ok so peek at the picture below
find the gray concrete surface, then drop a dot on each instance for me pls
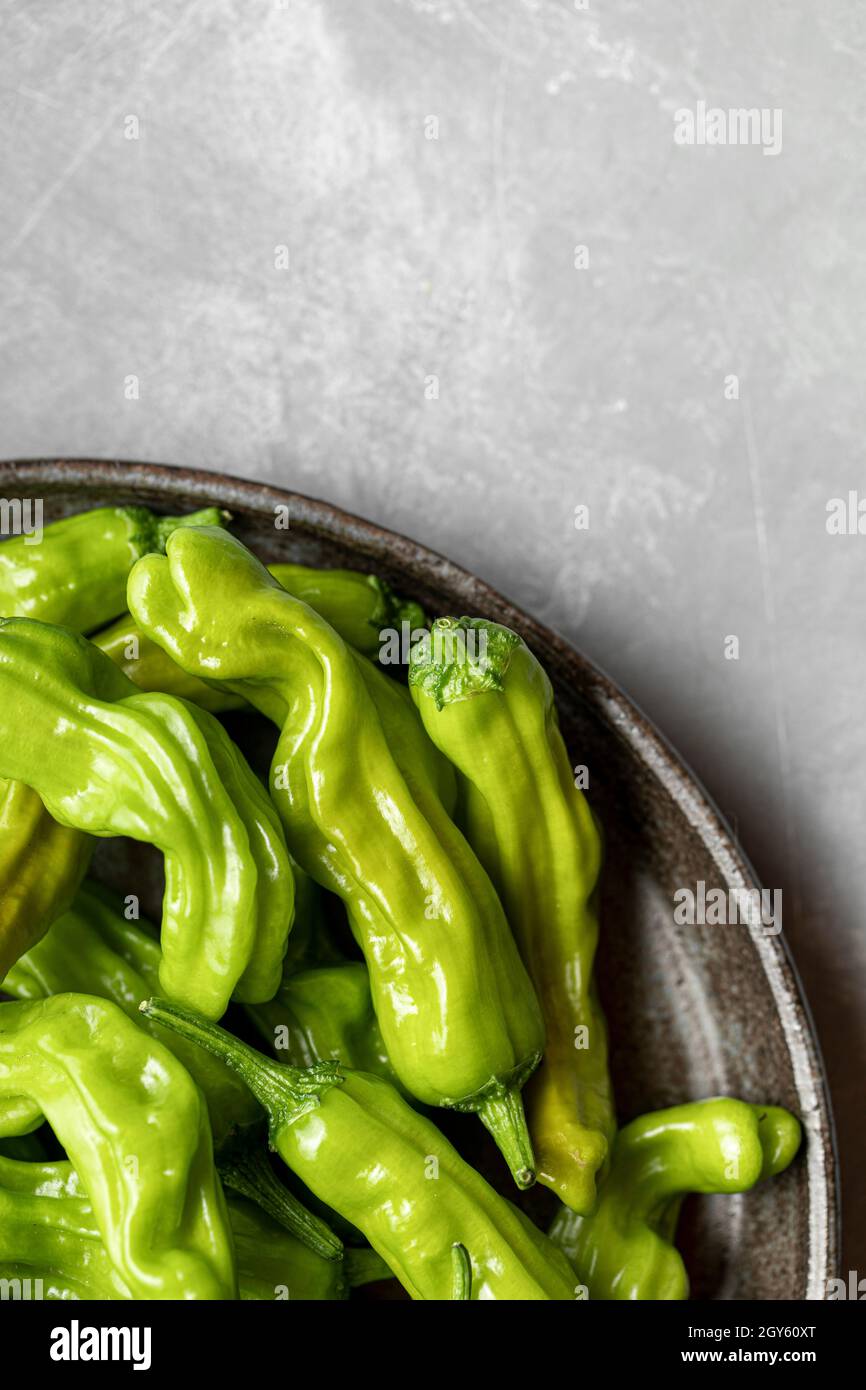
(306, 125)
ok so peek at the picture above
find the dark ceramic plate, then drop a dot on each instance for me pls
(694, 1011)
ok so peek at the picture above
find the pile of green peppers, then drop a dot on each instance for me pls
(399, 919)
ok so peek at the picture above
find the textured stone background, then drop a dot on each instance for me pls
(303, 124)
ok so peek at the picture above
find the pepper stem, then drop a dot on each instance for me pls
(251, 1175)
(461, 1274)
(286, 1092)
(503, 1115)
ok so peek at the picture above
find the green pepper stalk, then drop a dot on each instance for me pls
(361, 1149)
(625, 1249)
(461, 1288)
(93, 949)
(41, 865)
(76, 575)
(458, 1015)
(135, 1127)
(325, 1014)
(109, 759)
(488, 706)
(272, 1264)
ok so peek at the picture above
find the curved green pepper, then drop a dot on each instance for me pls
(135, 1127)
(457, 1012)
(41, 865)
(112, 760)
(93, 949)
(357, 605)
(488, 705)
(49, 1233)
(76, 574)
(361, 1149)
(625, 1249)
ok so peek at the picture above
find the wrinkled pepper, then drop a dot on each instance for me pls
(625, 1249)
(456, 1009)
(75, 575)
(112, 760)
(49, 1233)
(93, 949)
(360, 1148)
(134, 1125)
(358, 606)
(488, 705)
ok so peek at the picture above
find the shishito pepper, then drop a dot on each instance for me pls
(112, 760)
(358, 606)
(358, 1146)
(488, 705)
(325, 1014)
(457, 1012)
(93, 949)
(134, 1125)
(41, 866)
(76, 574)
(49, 1233)
(625, 1249)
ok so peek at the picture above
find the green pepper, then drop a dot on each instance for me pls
(41, 866)
(112, 760)
(625, 1249)
(93, 949)
(325, 1014)
(76, 574)
(135, 1127)
(488, 705)
(357, 605)
(272, 1264)
(456, 1009)
(49, 1233)
(358, 1146)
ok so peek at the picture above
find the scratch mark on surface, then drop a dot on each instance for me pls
(57, 185)
(783, 746)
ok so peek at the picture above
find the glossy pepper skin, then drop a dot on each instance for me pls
(625, 1249)
(49, 1232)
(325, 1014)
(358, 606)
(456, 1009)
(41, 865)
(488, 705)
(93, 949)
(109, 759)
(76, 574)
(361, 1149)
(134, 1125)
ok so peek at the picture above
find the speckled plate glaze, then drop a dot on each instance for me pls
(693, 1011)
